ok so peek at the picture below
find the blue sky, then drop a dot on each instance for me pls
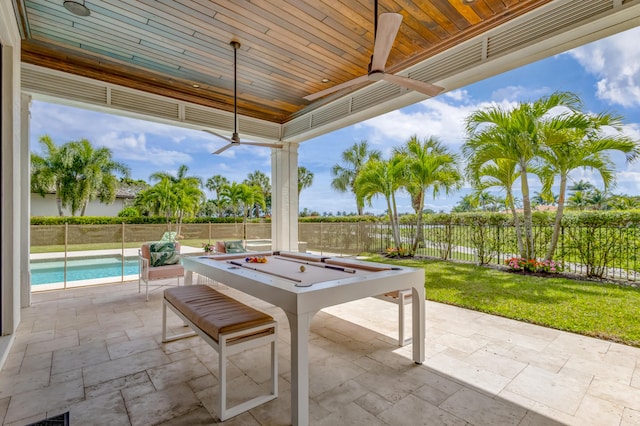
(605, 74)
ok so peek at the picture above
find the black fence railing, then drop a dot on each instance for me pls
(596, 251)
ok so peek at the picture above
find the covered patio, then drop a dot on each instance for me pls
(96, 353)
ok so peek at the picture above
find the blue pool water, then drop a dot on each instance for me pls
(52, 270)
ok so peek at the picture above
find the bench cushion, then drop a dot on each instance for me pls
(214, 312)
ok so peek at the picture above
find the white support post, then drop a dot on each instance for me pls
(284, 198)
(25, 201)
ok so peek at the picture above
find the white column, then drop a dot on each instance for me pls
(10, 223)
(284, 198)
(25, 201)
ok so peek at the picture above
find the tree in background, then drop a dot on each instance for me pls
(262, 181)
(346, 174)
(305, 179)
(583, 145)
(186, 194)
(515, 135)
(380, 177)
(94, 170)
(77, 172)
(48, 170)
(428, 165)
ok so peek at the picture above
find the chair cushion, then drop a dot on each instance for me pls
(234, 247)
(167, 271)
(220, 248)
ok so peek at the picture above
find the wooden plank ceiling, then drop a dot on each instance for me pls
(180, 48)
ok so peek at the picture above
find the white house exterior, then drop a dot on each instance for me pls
(47, 206)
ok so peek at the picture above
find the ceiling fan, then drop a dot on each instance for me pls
(384, 38)
(235, 139)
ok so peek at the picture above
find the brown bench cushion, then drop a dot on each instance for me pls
(212, 311)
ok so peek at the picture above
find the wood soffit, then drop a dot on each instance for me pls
(168, 47)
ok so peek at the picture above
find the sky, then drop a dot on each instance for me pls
(604, 74)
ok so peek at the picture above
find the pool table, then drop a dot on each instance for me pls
(302, 284)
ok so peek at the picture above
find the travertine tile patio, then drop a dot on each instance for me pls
(96, 352)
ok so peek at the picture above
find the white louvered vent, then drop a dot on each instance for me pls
(213, 119)
(296, 126)
(259, 128)
(63, 87)
(140, 103)
(331, 113)
(562, 17)
(369, 99)
(448, 65)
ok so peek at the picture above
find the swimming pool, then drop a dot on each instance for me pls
(48, 271)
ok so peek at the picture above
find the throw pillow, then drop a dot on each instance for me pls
(163, 253)
(162, 258)
(234, 247)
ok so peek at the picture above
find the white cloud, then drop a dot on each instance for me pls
(435, 117)
(134, 147)
(615, 61)
(518, 93)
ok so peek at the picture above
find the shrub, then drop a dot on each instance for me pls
(533, 265)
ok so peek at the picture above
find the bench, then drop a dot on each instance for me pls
(230, 327)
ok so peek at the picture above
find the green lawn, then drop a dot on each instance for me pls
(607, 311)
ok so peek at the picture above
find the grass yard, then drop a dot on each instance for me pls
(606, 311)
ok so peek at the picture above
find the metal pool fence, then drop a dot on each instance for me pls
(605, 252)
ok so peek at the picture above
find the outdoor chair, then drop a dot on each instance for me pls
(159, 260)
(232, 246)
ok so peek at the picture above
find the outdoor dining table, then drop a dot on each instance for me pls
(303, 284)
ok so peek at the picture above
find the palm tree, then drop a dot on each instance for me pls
(232, 195)
(77, 172)
(160, 199)
(187, 191)
(468, 203)
(345, 175)
(262, 181)
(250, 196)
(514, 135)
(583, 146)
(428, 165)
(305, 179)
(215, 184)
(94, 170)
(501, 173)
(379, 177)
(47, 171)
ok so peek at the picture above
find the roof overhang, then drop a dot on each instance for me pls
(548, 30)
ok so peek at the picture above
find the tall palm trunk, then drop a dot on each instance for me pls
(393, 221)
(59, 204)
(419, 234)
(529, 250)
(516, 221)
(558, 221)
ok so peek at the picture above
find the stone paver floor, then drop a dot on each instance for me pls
(96, 352)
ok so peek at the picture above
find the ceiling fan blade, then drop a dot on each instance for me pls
(220, 136)
(388, 26)
(224, 148)
(265, 144)
(357, 80)
(417, 85)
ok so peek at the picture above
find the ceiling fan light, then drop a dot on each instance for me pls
(78, 9)
(325, 80)
(468, 1)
